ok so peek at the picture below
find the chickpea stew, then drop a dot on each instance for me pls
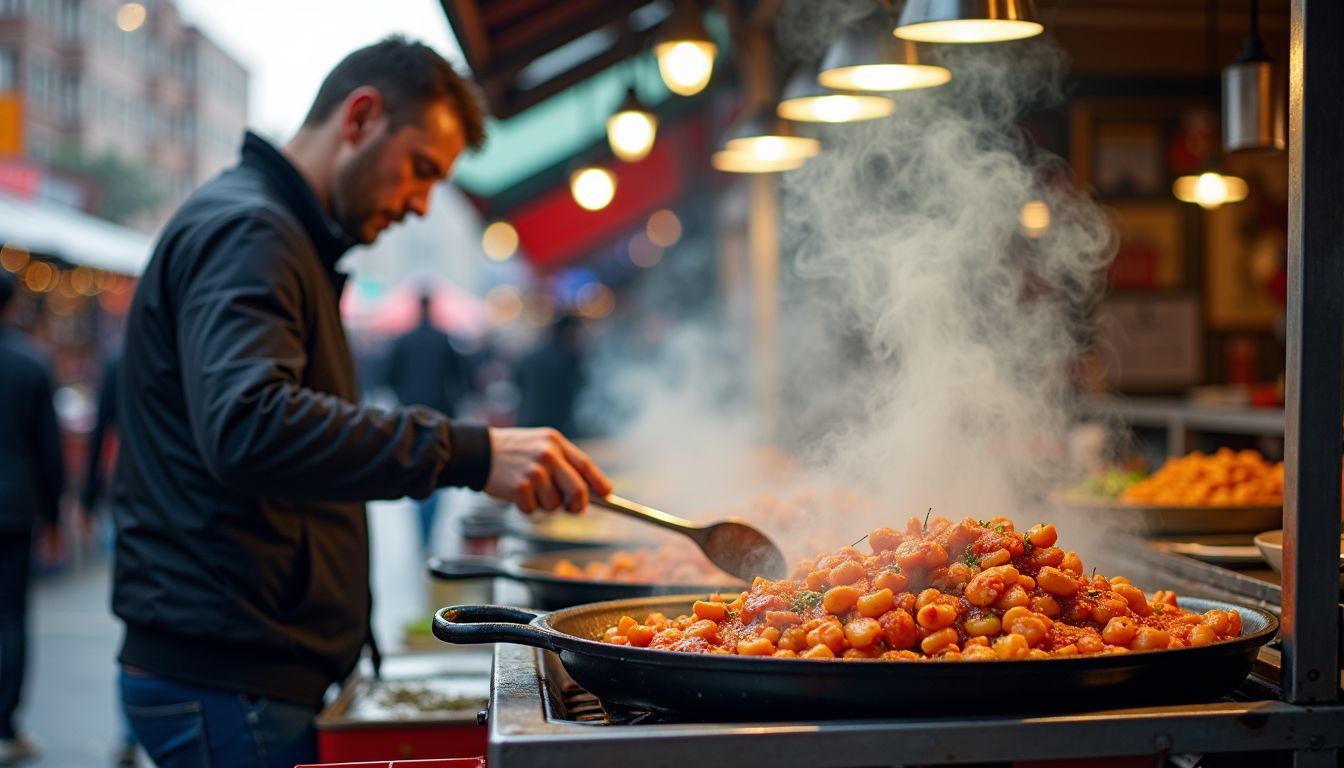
(971, 590)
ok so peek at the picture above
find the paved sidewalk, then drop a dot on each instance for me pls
(70, 701)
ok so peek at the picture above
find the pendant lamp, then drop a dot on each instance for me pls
(867, 58)
(1252, 97)
(632, 129)
(968, 21)
(805, 100)
(685, 50)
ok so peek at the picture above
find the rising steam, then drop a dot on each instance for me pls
(926, 340)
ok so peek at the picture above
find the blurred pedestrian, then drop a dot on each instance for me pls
(102, 442)
(549, 379)
(101, 446)
(424, 368)
(31, 478)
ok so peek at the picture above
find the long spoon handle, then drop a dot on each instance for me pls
(649, 514)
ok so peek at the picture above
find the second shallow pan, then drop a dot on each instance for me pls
(551, 592)
(730, 687)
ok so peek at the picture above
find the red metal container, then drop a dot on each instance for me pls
(424, 706)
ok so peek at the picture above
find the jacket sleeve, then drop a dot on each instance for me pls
(49, 463)
(242, 322)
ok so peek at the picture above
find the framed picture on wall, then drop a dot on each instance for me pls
(1134, 148)
(1245, 261)
(1152, 244)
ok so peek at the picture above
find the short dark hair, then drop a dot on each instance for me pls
(410, 76)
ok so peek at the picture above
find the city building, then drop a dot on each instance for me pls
(91, 78)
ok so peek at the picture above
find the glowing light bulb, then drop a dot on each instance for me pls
(499, 241)
(686, 65)
(1210, 190)
(969, 31)
(835, 108)
(130, 17)
(593, 188)
(1035, 218)
(631, 133)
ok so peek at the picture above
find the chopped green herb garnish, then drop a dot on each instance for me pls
(1092, 593)
(1158, 608)
(1027, 546)
(806, 599)
(993, 526)
(968, 557)
(894, 568)
(732, 614)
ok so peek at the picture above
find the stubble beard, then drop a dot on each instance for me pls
(352, 205)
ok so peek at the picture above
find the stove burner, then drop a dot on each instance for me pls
(580, 706)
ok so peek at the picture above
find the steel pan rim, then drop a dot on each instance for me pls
(525, 569)
(734, 662)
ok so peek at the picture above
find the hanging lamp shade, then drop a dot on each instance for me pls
(1253, 99)
(1210, 190)
(867, 58)
(757, 145)
(632, 129)
(805, 100)
(685, 51)
(968, 21)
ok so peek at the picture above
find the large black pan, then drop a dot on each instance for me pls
(552, 592)
(721, 686)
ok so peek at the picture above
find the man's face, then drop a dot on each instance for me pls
(385, 174)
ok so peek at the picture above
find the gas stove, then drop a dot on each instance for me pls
(539, 717)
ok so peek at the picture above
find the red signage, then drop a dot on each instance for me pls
(554, 230)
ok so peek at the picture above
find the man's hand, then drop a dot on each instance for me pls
(540, 469)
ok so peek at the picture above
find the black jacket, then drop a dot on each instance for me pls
(424, 368)
(242, 543)
(31, 470)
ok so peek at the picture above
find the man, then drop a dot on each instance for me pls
(31, 478)
(242, 543)
(423, 368)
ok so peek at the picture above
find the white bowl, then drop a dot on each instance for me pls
(1270, 544)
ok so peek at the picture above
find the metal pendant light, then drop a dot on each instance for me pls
(757, 145)
(1252, 98)
(632, 129)
(685, 50)
(805, 100)
(1211, 188)
(968, 21)
(867, 58)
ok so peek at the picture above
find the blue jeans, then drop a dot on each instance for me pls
(427, 508)
(186, 726)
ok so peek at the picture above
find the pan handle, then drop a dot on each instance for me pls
(472, 624)
(467, 567)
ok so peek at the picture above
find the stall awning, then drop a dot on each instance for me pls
(50, 229)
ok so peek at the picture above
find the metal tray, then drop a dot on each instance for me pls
(1168, 519)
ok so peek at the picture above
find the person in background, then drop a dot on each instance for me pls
(32, 476)
(91, 494)
(424, 368)
(242, 544)
(549, 379)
